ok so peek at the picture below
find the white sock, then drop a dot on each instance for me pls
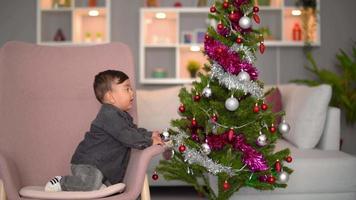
(54, 185)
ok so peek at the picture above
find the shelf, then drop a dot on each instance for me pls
(184, 28)
(79, 22)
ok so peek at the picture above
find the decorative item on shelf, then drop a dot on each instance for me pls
(65, 3)
(297, 32)
(177, 4)
(202, 3)
(200, 35)
(87, 37)
(55, 4)
(309, 19)
(187, 37)
(193, 67)
(99, 37)
(266, 33)
(264, 2)
(59, 36)
(92, 3)
(159, 72)
(152, 3)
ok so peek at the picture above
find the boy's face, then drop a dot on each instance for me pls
(121, 95)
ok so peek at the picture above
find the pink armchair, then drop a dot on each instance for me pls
(46, 106)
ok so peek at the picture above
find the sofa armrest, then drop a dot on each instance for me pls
(330, 139)
(10, 178)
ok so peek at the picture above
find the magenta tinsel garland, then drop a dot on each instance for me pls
(251, 157)
(229, 60)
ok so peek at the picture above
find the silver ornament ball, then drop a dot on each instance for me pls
(231, 104)
(282, 177)
(165, 136)
(243, 76)
(206, 149)
(262, 140)
(284, 127)
(207, 92)
(245, 22)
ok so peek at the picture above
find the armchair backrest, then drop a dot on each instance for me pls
(47, 102)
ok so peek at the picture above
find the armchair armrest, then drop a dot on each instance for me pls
(2, 191)
(330, 139)
(10, 178)
(136, 171)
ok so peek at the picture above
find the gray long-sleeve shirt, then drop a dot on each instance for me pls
(107, 145)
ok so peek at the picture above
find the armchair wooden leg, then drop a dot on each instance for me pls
(2, 191)
(145, 194)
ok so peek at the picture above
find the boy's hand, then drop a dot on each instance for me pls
(156, 140)
(155, 134)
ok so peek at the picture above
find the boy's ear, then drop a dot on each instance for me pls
(108, 98)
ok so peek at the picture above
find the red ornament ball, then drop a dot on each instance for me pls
(256, 109)
(289, 159)
(256, 9)
(272, 129)
(264, 106)
(181, 108)
(197, 97)
(239, 40)
(226, 185)
(194, 122)
(214, 118)
(182, 148)
(155, 176)
(225, 4)
(218, 50)
(233, 16)
(271, 179)
(220, 26)
(206, 36)
(212, 9)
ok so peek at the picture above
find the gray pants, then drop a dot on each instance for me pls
(84, 178)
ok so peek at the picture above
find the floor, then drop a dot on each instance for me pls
(174, 193)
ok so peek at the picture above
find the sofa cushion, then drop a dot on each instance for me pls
(274, 100)
(157, 108)
(306, 109)
(39, 193)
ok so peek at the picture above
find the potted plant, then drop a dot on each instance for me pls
(193, 67)
(343, 85)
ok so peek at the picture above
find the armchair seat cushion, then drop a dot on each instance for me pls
(37, 192)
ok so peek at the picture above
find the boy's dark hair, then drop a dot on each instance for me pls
(103, 81)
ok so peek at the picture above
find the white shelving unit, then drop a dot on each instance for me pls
(162, 48)
(82, 22)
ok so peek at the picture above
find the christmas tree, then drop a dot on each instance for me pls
(226, 129)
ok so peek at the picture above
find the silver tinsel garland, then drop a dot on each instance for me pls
(193, 156)
(248, 55)
(231, 82)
